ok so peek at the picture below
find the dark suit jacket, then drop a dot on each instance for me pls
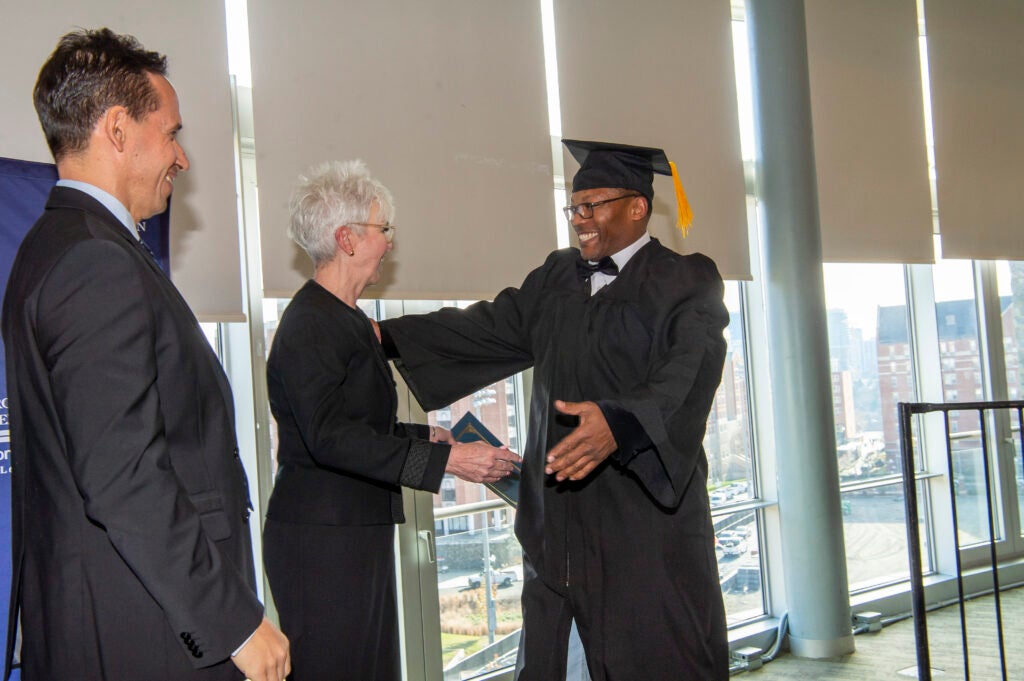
(131, 546)
(342, 457)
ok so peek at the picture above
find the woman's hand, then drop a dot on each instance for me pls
(480, 462)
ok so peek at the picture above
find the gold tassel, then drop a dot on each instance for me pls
(685, 218)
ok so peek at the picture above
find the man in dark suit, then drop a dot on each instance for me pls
(130, 510)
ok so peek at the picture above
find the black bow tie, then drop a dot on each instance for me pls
(605, 265)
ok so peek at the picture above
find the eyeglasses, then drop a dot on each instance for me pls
(387, 229)
(586, 210)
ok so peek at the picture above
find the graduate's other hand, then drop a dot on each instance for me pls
(480, 462)
(265, 656)
(590, 443)
(376, 329)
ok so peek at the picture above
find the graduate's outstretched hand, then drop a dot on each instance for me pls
(580, 452)
(480, 462)
(376, 329)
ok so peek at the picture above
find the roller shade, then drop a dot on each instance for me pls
(976, 60)
(869, 135)
(659, 73)
(204, 218)
(444, 101)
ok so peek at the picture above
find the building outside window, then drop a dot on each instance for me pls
(869, 320)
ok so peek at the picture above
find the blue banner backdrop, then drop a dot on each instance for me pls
(24, 186)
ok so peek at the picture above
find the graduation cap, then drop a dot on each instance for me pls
(604, 164)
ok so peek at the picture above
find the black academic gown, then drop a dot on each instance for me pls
(629, 551)
(328, 542)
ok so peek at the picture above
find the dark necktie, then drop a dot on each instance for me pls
(585, 269)
(147, 249)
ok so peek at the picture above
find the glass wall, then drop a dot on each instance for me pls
(479, 611)
(870, 345)
(1010, 278)
(479, 560)
(956, 318)
(479, 563)
(874, 366)
(874, 529)
(728, 438)
(732, 480)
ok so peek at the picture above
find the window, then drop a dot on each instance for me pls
(866, 323)
(874, 526)
(731, 478)
(443, 418)
(479, 563)
(955, 303)
(448, 491)
(868, 320)
(1010, 280)
(212, 332)
(740, 571)
(869, 338)
(728, 441)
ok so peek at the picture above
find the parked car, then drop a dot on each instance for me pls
(735, 547)
(729, 535)
(499, 577)
(733, 542)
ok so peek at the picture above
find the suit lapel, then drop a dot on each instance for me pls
(380, 361)
(67, 197)
(370, 345)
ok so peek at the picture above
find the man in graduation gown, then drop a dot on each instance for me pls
(625, 338)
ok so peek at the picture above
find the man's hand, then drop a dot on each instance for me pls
(480, 462)
(265, 656)
(580, 452)
(376, 329)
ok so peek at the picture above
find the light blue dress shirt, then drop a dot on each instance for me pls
(109, 202)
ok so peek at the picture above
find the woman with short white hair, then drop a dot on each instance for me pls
(328, 542)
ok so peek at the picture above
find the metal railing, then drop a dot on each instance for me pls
(910, 479)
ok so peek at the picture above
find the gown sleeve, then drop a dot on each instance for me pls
(673, 404)
(321, 396)
(448, 354)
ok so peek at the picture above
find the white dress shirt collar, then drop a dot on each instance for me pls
(599, 279)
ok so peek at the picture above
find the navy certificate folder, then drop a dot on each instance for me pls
(469, 429)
